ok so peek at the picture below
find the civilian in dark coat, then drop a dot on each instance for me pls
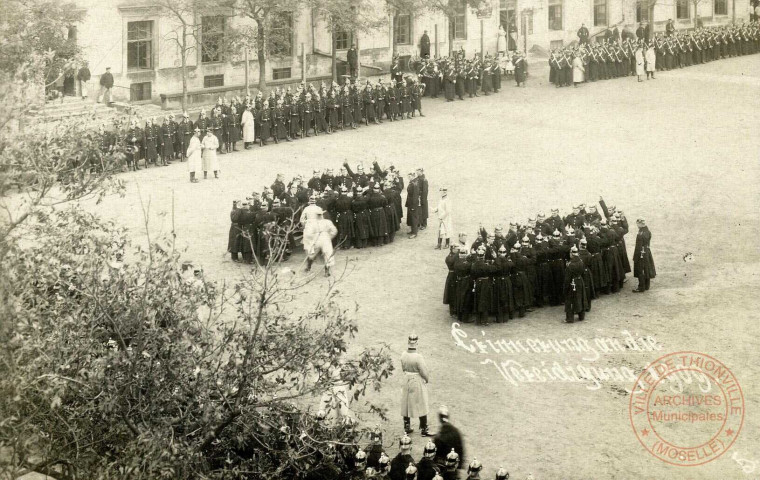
(643, 262)
(425, 45)
(413, 206)
(83, 76)
(106, 84)
(352, 57)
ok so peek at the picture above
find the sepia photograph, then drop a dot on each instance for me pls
(379, 239)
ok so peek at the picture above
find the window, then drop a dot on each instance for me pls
(528, 23)
(210, 81)
(506, 13)
(642, 11)
(402, 29)
(139, 92)
(600, 13)
(720, 7)
(140, 45)
(682, 9)
(555, 14)
(281, 34)
(342, 40)
(458, 22)
(280, 73)
(212, 39)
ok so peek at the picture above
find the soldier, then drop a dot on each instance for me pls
(217, 124)
(246, 220)
(503, 299)
(452, 465)
(643, 262)
(414, 396)
(424, 190)
(380, 95)
(502, 474)
(133, 142)
(232, 237)
(401, 462)
(481, 272)
(232, 130)
(376, 202)
(264, 122)
(413, 206)
(473, 469)
(151, 139)
(185, 131)
(168, 133)
(426, 467)
(576, 301)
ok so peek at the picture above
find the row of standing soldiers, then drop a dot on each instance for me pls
(290, 115)
(533, 266)
(161, 144)
(683, 49)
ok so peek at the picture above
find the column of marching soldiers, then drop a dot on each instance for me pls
(547, 261)
(365, 207)
(611, 58)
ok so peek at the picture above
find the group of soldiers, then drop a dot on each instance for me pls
(613, 58)
(547, 261)
(457, 76)
(364, 206)
(289, 115)
(705, 44)
(442, 458)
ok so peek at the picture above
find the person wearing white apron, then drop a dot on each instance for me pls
(317, 238)
(210, 145)
(414, 395)
(249, 133)
(194, 151)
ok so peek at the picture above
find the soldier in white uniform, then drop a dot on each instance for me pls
(414, 395)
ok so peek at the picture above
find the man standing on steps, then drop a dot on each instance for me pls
(106, 84)
(414, 395)
(425, 45)
(352, 57)
(83, 76)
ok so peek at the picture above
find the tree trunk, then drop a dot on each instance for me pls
(262, 54)
(184, 67)
(333, 54)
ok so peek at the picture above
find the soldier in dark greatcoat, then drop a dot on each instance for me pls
(232, 237)
(413, 206)
(344, 219)
(482, 276)
(168, 133)
(576, 301)
(503, 301)
(643, 262)
(185, 131)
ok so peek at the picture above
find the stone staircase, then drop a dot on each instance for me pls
(74, 107)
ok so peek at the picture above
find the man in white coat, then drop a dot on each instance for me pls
(311, 212)
(578, 69)
(443, 211)
(651, 58)
(639, 55)
(414, 395)
(194, 151)
(210, 145)
(317, 238)
(249, 133)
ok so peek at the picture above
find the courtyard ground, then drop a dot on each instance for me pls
(681, 151)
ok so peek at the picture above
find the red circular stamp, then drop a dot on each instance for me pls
(686, 408)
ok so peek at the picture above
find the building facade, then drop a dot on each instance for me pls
(138, 39)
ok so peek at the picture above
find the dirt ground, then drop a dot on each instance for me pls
(681, 151)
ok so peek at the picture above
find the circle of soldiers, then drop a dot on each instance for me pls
(457, 76)
(609, 57)
(548, 261)
(365, 207)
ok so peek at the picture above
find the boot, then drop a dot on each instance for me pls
(447, 243)
(407, 426)
(439, 244)
(205, 175)
(327, 271)
(216, 174)
(308, 264)
(423, 427)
